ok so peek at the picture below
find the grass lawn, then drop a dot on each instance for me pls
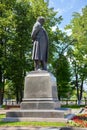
(2, 116)
(42, 124)
(73, 106)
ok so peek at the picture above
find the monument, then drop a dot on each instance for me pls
(40, 88)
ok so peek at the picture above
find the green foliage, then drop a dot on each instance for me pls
(9, 90)
(78, 53)
(59, 60)
(63, 74)
(16, 22)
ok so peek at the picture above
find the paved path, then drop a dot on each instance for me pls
(40, 128)
(3, 111)
(29, 128)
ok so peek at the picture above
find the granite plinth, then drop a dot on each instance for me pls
(40, 91)
(36, 113)
(40, 97)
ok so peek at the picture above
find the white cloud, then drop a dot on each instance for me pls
(54, 28)
(68, 32)
(60, 11)
(64, 10)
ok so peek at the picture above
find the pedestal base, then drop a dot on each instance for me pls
(36, 113)
(40, 91)
(40, 97)
(40, 104)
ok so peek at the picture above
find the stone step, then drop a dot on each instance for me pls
(36, 113)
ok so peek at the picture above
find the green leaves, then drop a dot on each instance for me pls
(79, 53)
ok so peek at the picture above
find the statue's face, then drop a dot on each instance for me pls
(41, 21)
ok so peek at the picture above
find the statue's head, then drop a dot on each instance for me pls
(41, 19)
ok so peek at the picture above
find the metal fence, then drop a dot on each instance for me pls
(62, 102)
(10, 102)
(73, 102)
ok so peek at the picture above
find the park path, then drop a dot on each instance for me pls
(39, 128)
(29, 128)
(18, 128)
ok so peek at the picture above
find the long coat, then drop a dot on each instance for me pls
(40, 43)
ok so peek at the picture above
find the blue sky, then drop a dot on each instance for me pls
(66, 8)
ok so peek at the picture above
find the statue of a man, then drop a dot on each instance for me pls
(40, 44)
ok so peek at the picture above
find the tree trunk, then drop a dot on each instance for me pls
(21, 94)
(21, 89)
(1, 87)
(81, 89)
(77, 85)
(59, 92)
(17, 95)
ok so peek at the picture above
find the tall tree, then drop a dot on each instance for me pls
(17, 19)
(25, 13)
(20, 48)
(63, 75)
(5, 29)
(61, 66)
(79, 53)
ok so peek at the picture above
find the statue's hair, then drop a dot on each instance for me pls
(41, 18)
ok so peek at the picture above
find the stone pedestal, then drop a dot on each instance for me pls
(40, 91)
(40, 97)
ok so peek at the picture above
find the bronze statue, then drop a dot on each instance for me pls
(40, 44)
